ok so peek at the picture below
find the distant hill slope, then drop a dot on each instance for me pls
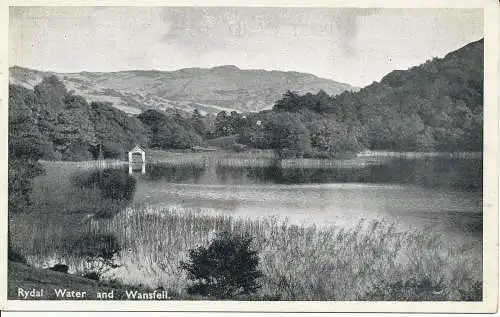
(208, 90)
(435, 106)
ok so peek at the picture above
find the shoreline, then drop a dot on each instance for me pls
(232, 159)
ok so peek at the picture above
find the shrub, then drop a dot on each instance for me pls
(20, 176)
(16, 257)
(109, 208)
(96, 245)
(98, 250)
(237, 147)
(113, 183)
(108, 191)
(92, 276)
(227, 268)
(473, 293)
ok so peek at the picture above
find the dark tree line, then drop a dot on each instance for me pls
(437, 106)
(169, 131)
(64, 126)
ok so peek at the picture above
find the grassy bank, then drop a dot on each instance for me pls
(29, 278)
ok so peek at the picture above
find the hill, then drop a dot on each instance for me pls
(436, 106)
(208, 90)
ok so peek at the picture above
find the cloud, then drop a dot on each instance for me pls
(212, 28)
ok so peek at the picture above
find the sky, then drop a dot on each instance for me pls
(351, 45)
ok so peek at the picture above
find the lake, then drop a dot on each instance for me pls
(435, 205)
(444, 194)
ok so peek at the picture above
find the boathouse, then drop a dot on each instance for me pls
(137, 155)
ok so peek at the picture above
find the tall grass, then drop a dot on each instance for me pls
(257, 158)
(299, 263)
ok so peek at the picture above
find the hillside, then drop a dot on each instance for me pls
(435, 106)
(208, 90)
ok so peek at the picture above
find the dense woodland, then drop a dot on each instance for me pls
(63, 126)
(437, 106)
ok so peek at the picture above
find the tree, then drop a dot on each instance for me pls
(322, 101)
(21, 173)
(115, 131)
(198, 123)
(74, 135)
(222, 124)
(225, 269)
(169, 130)
(334, 137)
(235, 121)
(286, 134)
(51, 92)
(291, 101)
(26, 147)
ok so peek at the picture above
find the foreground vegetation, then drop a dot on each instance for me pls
(26, 277)
(371, 261)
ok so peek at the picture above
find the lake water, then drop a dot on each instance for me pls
(443, 194)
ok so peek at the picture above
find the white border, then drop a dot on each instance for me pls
(491, 176)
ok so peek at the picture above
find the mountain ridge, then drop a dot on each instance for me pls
(210, 90)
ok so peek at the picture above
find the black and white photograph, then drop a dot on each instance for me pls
(248, 154)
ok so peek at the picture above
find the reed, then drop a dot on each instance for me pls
(299, 262)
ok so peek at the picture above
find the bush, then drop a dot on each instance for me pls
(472, 294)
(109, 208)
(98, 251)
(237, 147)
(114, 190)
(113, 183)
(16, 257)
(95, 245)
(20, 176)
(91, 276)
(227, 268)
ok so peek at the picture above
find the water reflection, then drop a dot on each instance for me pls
(175, 173)
(416, 193)
(137, 167)
(461, 174)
